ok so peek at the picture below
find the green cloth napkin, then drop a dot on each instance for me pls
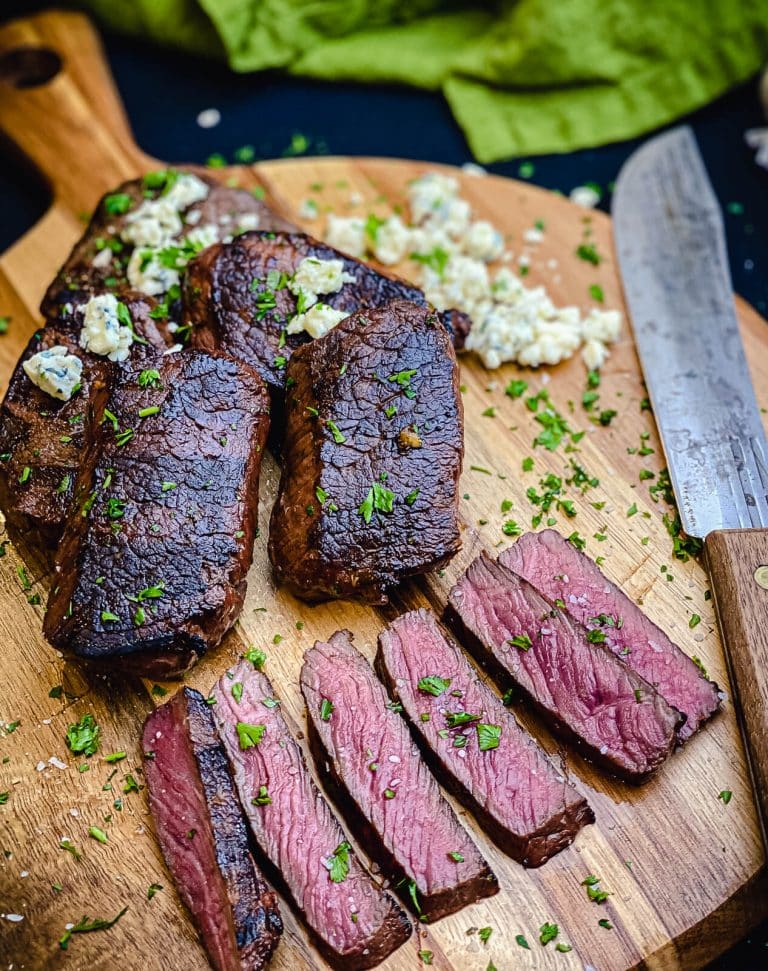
(521, 76)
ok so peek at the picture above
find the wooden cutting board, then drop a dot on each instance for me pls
(684, 868)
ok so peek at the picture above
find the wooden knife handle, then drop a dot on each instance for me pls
(738, 568)
(60, 107)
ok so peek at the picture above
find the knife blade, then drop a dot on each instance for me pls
(672, 255)
(671, 246)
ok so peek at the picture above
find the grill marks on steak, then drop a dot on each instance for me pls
(203, 836)
(581, 688)
(374, 431)
(297, 832)
(392, 799)
(152, 566)
(561, 572)
(226, 307)
(222, 208)
(521, 800)
(47, 435)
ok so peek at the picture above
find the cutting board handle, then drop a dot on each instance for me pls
(738, 568)
(60, 107)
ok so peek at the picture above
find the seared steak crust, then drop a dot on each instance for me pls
(390, 797)
(47, 435)
(561, 572)
(356, 924)
(203, 835)
(372, 457)
(152, 565)
(222, 208)
(582, 689)
(523, 802)
(226, 307)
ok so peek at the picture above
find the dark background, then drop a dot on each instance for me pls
(164, 91)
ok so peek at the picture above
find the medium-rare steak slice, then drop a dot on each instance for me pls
(356, 924)
(172, 212)
(372, 457)
(42, 430)
(562, 573)
(581, 688)
(498, 771)
(263, 295)
(391, 798)
(203, 835)
(152, 566)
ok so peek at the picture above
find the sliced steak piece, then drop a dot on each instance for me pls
(523, 802)
(582, 689)
(562, 573)
(203, 836)
(372, 457)
(237, 298)
(151, 570)
(200, 216)
(356, 924)
(42, 437)
(391, 797)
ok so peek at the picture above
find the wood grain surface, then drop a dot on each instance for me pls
(683, 866)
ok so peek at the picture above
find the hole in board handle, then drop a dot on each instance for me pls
(29, 67)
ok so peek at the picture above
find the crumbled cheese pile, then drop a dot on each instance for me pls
(55, 371)
(103, 332)
(510, 322)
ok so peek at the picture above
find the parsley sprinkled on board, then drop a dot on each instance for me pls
(85, 926)
(434, 685)
(694, 621)
(69, 847)
(725, 795)
(521, 942)
(548, 932)
(596, 292)
(249, 735)
(425, 957)
(588, 253)
(485, 934)
(592, 883)
(516, 389)
(98, 834)
(153, 889)
(83, 737)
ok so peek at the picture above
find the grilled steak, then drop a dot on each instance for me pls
(580, 687)
(42, 438)
(152, 565)
(518, 796)
(372, 457)
(391, 798)
(238, 298)
(561, 572)
(191, 215)
(203, 835)
(356, 924)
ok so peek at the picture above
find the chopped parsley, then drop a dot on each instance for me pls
(725, 795)
(379, 499)
(326, 709)
(83, 737)
(403, 380)
(436, 259)
(694, 621)
(263, 797)
(488, 736)
(256, 657)
(85, 926)
(485, 934)
(516, 389)
(70, 847)
(237, 691)
(153, 889)
(548, 932)
(595, 894)
(456, 856)
(337, 435)
(457, 718)
(338, 863)
(434, 685)
(249, 735)
(521, 942)
(596, 292)
(522, 641)
(98, 834)
(117, 204)
(588, 253)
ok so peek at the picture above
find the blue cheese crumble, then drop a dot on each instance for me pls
(314, 278)
(102, 331)
(55, 371)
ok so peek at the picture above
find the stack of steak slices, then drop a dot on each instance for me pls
(372, 457)
(576, 682)
(391, 799)
(566, 576)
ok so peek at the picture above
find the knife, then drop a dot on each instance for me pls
(670, 243)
